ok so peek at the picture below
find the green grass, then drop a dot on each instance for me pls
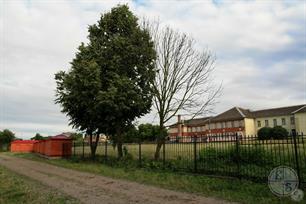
(180, 156)
(229, 189)
(18, 189)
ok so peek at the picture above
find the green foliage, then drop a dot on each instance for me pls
(265, 133)
(110, 80)
(149, 132)
(131, 135)
(145, 132)
(278, 132)
(38, 137)
(78, 137)
(254, 154)
(6, 136)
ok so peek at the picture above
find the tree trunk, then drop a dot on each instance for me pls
(93, 145)
(120, 152)
(160, 141)
(119, 144)
(158, 148)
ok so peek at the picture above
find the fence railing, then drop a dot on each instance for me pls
(231, 155)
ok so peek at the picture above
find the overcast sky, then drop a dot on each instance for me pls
(260, 48)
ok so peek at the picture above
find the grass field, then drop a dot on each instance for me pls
(18, 189)
(256, 158)
(186, 150)
(229, 189)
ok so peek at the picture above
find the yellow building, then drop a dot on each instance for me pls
(242, 121)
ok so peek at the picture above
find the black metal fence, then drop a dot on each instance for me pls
(231, 155)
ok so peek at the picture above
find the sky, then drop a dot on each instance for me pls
(260, 49)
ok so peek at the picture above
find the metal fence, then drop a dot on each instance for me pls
(231, 155)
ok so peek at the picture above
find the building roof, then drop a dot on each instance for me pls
(235, 113)
(196, 121)
(301, 110)
(59, 137)
(24, 141)
(289, 110)
(192, 122)
(238, 113)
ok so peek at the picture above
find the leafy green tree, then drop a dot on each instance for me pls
(38, 137)
(149, 132)
(131, 135)
(110, 81)
(76, 136)
(265, 133)
(77, 92)
(6, 136)
(278, 132)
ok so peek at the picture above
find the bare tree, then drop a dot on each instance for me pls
(183, 83)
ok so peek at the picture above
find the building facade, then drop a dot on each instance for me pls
(241, 121)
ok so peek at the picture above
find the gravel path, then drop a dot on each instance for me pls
(91, 188)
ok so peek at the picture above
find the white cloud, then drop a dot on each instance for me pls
(233, 25)
(39, 38)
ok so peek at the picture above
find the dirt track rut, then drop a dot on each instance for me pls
(91, 188)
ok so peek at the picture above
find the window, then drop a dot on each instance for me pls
(189, 129)
(225, 124)
(292, 121)
(222, 125)
(199, 129)
(232, 122)
(258, 123)
(283, 121)
(266, 123)
(212, 126)
(236, 124)
(274, 122)
(229, 124)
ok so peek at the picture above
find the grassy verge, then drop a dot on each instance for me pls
(19, 189)
(229, 189)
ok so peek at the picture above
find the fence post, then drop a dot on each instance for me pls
(139, 152)
(74, 148)
(164, 153)
(195, 153)
(83, 149)
(237, 156)
(296, 157)
(105, 151)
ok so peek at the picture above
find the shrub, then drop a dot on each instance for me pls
(279, 132)
(254, 154)
(265, 133)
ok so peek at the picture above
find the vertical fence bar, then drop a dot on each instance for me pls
(139, 153)
(237, 156)
(296, 157)
(83, 149)
(74, 148)
(105, 153)
(195, 154)
(164, 154)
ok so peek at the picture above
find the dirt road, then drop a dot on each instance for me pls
(91, 188)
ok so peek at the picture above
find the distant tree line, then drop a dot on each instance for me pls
(144, 133)
(6, 136)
